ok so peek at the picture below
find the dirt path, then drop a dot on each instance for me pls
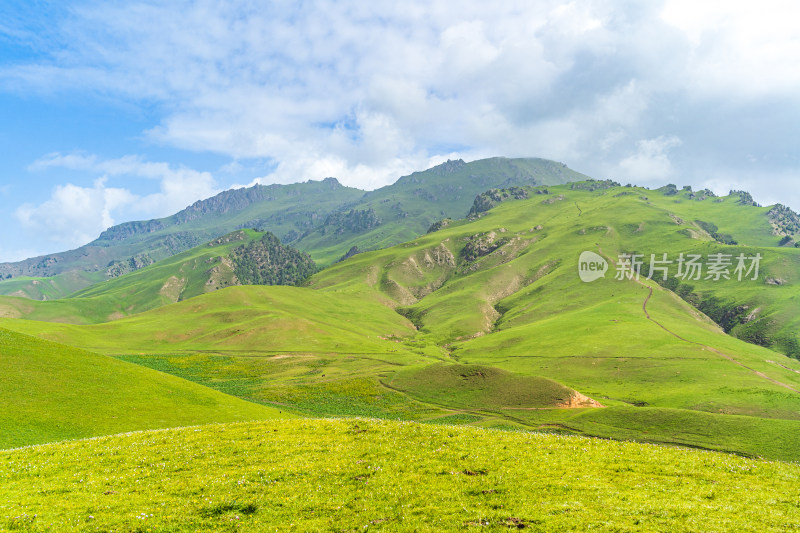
(704, 346)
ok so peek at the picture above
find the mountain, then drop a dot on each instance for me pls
(323, 218)
(242, 257)
(487, 321)
(406, 209)
(134, 245)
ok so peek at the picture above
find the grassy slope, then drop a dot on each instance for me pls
(410, 205)
(364, 474)
(200, 270)
(319, 353)
(521, 309)
(49, 288)
(252, 319)
(54, 392)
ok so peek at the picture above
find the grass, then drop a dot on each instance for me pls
(410, 205)
(50, 288)
(476, 386)
(54, 392)
(309, 475)
(389, 319)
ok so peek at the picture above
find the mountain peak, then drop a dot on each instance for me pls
(449, 167)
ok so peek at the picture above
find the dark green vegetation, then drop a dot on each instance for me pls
(266, 262)
(467, 386)
(52, 392)
(323, 475)
(323, 218)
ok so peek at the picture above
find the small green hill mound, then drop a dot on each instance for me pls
(52, 392)
(482, 387)
(347, 475)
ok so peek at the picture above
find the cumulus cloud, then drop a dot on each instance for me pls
(75, 215)
(651, 161)
(366, 91)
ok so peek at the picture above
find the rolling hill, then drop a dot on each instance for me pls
(446, 327)
(240, 257)
(59, 392)
(323, 218)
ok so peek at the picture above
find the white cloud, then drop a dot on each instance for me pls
(75, 215)
(365, 91)
(651, 161)
(740, 49)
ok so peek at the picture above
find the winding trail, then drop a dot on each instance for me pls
(704, 346)
(707, 347)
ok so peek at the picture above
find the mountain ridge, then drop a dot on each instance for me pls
(416, 198)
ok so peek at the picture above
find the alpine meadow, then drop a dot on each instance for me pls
(422, 378)
(347, 266)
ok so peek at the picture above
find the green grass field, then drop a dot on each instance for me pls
(486, 322)
(364, 474)
(52, 392)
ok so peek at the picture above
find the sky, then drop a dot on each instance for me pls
(115, 111)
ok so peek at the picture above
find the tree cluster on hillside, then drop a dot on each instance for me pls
(350, 253)
(713, 230)
(439, 224)
(487, 200)
(745, 198)
(669, 189)
(118, 268)
(267, 262)
(784, 221)
(593, 185)
(481, 244)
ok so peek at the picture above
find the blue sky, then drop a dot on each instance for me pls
(114, 111)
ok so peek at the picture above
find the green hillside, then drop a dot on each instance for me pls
(323, 475)
(406, 209)
(49, 288)
(503, 291)
(238, 258)
(323, 218)
(52, 392)
(486, 321)
(133, 245)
